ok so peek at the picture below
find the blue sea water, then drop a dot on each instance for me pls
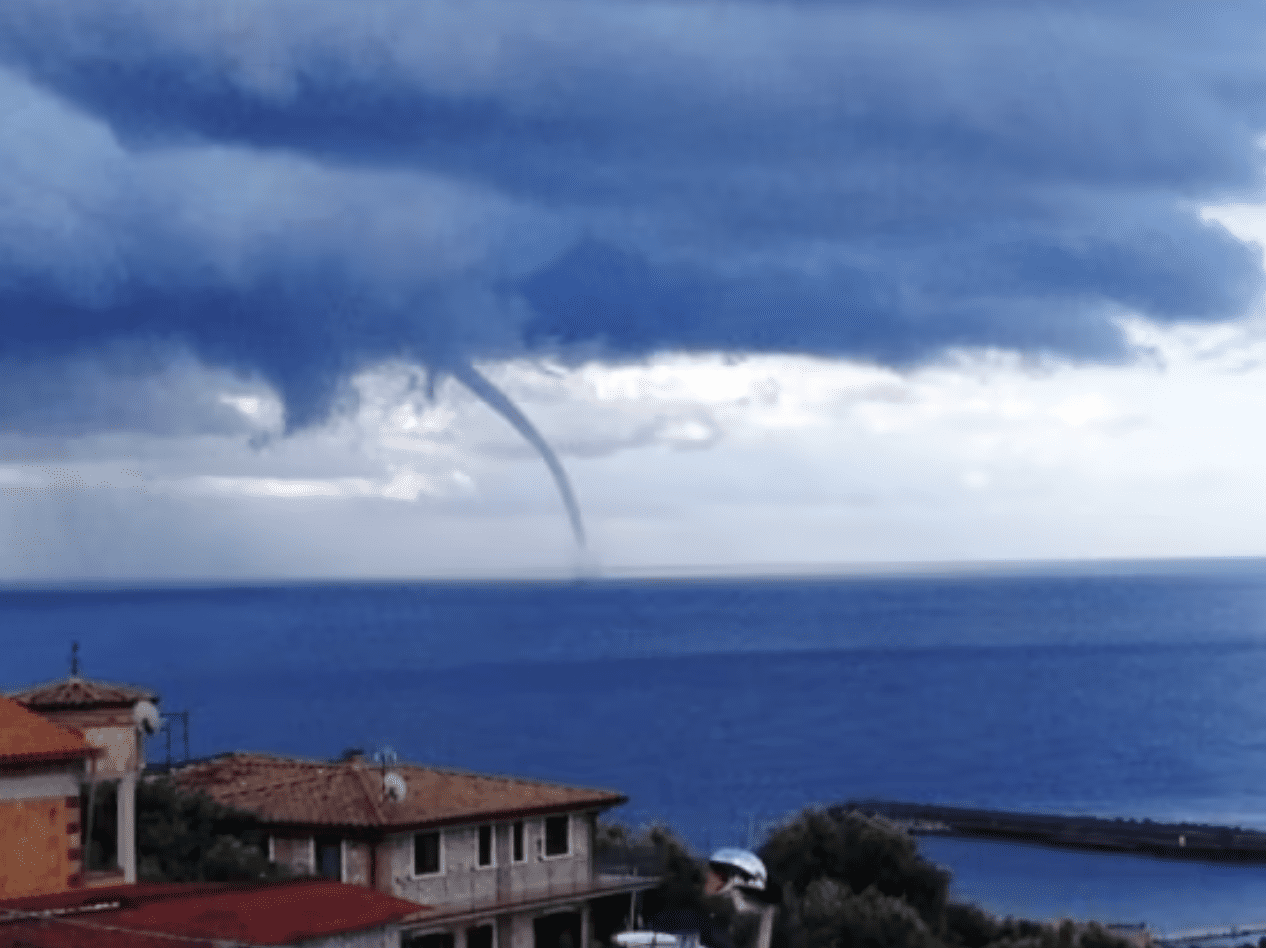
(720, 706)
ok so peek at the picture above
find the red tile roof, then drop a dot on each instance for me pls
(25, 737)
(78, 692)
(348, 794)
(141, 916)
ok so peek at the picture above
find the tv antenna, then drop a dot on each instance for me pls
(393, 785)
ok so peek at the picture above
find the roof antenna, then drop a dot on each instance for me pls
(74, 659)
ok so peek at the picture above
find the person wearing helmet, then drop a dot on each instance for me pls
(734, 903)
(734, 870)
(739, 877)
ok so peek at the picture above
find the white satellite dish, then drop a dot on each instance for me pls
(394, 787)
(146, 718)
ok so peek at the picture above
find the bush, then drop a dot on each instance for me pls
(833, 916)
(968, 926)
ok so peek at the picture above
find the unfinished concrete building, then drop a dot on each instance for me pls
(504, 862)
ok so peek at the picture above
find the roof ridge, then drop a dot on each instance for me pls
(279, 758)
(509, 778)
(434, 768)
(76, 689)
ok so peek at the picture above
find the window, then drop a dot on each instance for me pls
(557, 838)
(485, 845)
(427, 855)
(516, 835)
(479, 937)
(329, 858)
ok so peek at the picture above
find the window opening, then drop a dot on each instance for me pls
(517, 835)
(427, 859)
(485, 845)
(557, 841)
(480, 936)
(560, 930)
(329, 858)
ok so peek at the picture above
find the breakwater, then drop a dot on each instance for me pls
(1199, 841)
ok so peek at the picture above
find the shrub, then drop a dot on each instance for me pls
(861, 852)
(969, 926)
(833, 916)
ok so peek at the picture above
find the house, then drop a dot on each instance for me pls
(504, 862)
(313, 913)
(41, 765)
(113, 718)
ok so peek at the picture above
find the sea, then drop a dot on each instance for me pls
(724, 706)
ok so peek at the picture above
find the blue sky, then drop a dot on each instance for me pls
(783, 284)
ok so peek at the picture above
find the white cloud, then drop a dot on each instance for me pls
(793, 461)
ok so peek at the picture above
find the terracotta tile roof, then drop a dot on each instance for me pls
(138, 916)
(78, 692)
(312, 793)
(26, 737)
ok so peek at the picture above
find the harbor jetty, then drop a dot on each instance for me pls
(1198, 841)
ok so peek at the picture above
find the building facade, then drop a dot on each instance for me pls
(501, 862)
(41, 766)
(114, 719)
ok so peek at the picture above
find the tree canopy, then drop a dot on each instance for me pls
(188, 837)
(847, 880)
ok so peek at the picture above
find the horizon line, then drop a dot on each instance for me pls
(754, 572)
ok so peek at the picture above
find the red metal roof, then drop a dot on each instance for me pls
(141, 916)
(25, 737)
(348, 794)
(75, 692)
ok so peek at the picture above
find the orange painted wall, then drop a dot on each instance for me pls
(36, 841)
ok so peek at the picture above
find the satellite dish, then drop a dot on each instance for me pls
(145, 717)
(394, 787)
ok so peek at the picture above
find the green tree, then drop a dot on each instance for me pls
(188, 837)
(860, 852)
(847, 881)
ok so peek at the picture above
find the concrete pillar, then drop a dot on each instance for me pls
(125, 803)
(586, 924)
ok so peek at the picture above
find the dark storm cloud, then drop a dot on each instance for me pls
(295, 188)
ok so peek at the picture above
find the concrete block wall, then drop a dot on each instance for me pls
(462, 880)
(293, 852)
(356, 862)
(386, 937)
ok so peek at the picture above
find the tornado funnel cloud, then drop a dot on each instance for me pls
(499, 402)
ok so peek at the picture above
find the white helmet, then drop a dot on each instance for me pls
(743, 867)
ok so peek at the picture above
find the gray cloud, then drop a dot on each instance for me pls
(294, 190)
